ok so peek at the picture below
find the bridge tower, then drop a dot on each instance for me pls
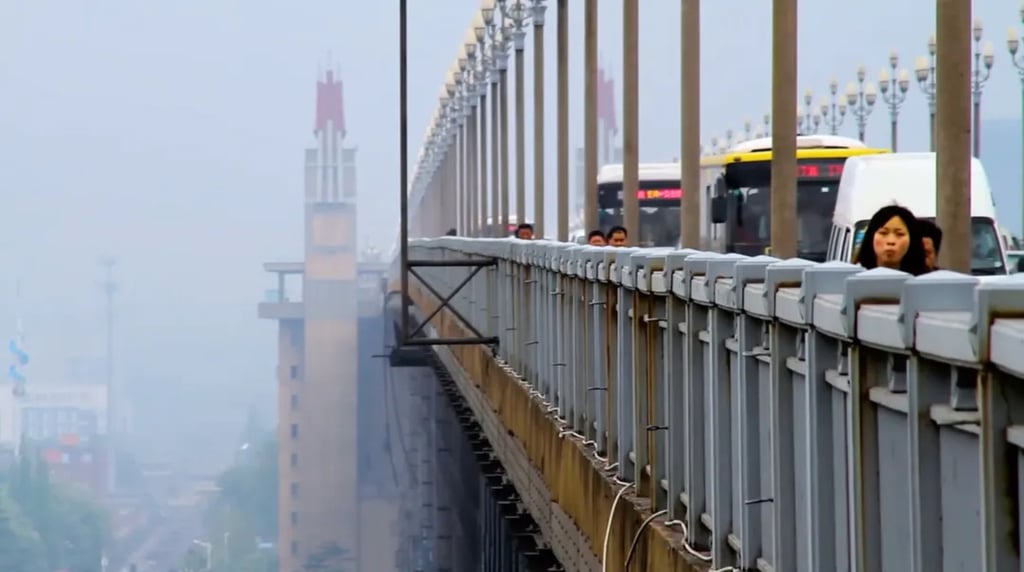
(318, 496)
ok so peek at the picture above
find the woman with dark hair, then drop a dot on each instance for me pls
(893, 239)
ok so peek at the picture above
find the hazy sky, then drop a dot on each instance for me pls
(170, 135)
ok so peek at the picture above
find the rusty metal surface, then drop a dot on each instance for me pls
(561, 483)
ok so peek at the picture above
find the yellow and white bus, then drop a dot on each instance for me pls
(736, 202)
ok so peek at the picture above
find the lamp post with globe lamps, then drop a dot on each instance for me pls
(472, 79)
(984, 58)
(808, 120)
(833, 111)
(1013, 43)
(501, 42)
(537, 9)
(497, 62)
(484, 61)
(463, 122)
(924, 70)
(517, 12)
(861, 97)
(894, 93)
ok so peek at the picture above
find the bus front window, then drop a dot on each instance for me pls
(659, 226)
(815, 203)
(750, 220)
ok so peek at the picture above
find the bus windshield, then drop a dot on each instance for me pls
(659, 226)
(659, 211)
(749, 219)
(986, 247)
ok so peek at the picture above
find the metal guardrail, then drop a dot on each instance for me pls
(788, 415)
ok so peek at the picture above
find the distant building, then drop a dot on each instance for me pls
(67, 423)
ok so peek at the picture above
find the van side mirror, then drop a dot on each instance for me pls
(719, 209)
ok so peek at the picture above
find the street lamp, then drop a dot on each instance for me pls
(495, 60)
(449, 141)
(1013, 43)
(518, 13)
(538, 9)
(462, 111)
(924, 69)
(833, 111)
(894, 92)
(485, 62)
(808, 120)
(861, 98)
(748, 128)
(472, 78)
(984, 58)
(501, 41)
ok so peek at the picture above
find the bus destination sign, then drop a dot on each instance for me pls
(820, 170)
(657, 194)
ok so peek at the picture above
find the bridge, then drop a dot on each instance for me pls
(524, 405)
(674, 409)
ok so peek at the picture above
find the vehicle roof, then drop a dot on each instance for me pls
(870, 182)
(807, 147)
(646, 172)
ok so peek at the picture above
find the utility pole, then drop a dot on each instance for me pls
(109, 289)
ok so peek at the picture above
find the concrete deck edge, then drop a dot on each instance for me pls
(562, 483)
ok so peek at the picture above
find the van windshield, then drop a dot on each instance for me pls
(986, 249)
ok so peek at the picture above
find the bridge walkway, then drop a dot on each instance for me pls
(678, 410)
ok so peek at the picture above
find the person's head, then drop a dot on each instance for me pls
(931, 237)
(617, 236)
(524, 231)
(596, 238)
(451, 232)
(892, 239)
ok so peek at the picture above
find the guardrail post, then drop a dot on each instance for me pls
(624, 382)
(697, 468)
(675, 381)
(783, 344)
(723, 383)
(925, 389)
(872, 286)
(597, 395)
(639, 414)
(751, 401)
(1001, 402)
(826, 525)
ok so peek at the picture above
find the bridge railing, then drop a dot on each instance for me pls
(787, 415)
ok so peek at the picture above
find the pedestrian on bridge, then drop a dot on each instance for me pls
(932, 242)
(617, 236)
(893, 239)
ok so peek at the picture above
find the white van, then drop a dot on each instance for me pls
(870, 182)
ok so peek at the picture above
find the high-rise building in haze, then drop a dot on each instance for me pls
(318, 496)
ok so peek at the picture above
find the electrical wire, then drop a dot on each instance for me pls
(608, 528)
(636, 537)
(703, 556)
